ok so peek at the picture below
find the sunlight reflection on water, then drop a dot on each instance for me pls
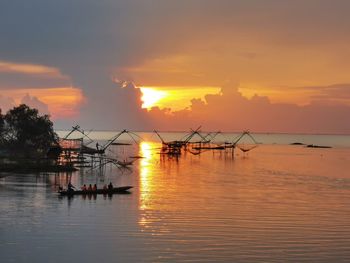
(145, 175)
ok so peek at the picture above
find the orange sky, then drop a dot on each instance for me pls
(175, 98)
(62, 102)
(287, 56)
(58, 101)
(258, 65)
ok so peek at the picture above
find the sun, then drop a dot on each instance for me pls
(174, 97)
(151, 97)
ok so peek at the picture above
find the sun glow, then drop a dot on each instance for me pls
(173, 97)
(150, 97)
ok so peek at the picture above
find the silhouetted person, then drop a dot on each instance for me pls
(70, 187)
(94, 188)
(110, 186)
(90, 188)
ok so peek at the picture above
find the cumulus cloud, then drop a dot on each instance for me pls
(6, 103)
(42, 87)
(118, 107)
(230, 111)
(34, 102)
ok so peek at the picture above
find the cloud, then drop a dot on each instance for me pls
(197, 42)
(42, 87)
(230, 111)
(118, 107)
(34, 102)
(337, 92)
(60, 102)
(6, 103)
(10, 67)
(25, 81)
(17, 75)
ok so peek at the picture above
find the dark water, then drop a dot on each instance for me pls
(279, 203)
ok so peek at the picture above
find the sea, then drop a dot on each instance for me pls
(272, 199)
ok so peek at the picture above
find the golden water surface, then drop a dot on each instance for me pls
(278, 203)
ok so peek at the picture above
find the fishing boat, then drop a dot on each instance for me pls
(115, 190)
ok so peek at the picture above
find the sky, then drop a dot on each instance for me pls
(230, 65)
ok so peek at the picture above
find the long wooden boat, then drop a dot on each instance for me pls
(115, 190)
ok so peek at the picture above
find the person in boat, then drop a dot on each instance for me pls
(94, 188)
(110, 186)
(90, 188)
(70, 187)
(83, 188)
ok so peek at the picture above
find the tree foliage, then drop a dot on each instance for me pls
(24, 132)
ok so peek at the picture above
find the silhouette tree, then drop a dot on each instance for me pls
(26, 133)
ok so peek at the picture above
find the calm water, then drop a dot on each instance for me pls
(279, 203)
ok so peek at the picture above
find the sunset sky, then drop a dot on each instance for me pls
(231, 65)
